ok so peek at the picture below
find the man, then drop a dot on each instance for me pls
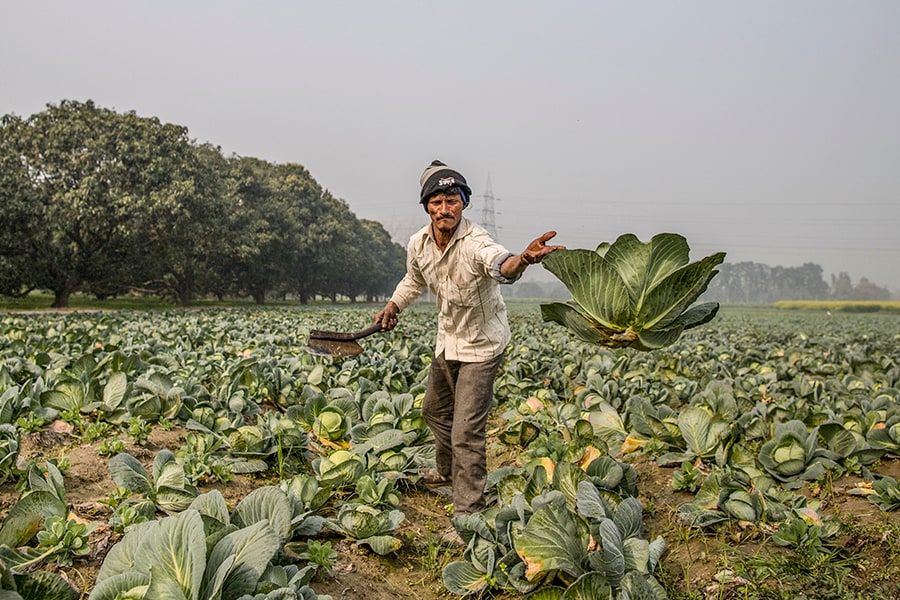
(462, 266)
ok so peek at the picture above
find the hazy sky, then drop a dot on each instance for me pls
(766, 129)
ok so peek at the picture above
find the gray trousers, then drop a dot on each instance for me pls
(456, 405)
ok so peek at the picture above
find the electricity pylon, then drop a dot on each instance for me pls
(488, 215)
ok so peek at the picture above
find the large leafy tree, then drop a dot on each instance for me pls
(277, 219)
(18, 215)
(312, 217)
(78, 181)
(96, 201)
(346, 255)
(184, 226)
(387, 261)
(288, 235)
(260, 225)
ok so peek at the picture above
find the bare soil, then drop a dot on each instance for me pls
(695, 565)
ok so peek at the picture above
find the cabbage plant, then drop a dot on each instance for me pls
(557, 543)
(886, 493)
(808, 533)
(41, 515)
(368, 526)
(205, 553)
(286, 582)
(331, 424)
(168, 559)
(168, 490)
(381, 411)
(794, 456)
(341, 468)
(885, 435)
(630, 293)
(579, 527)
(489, 560)
(724, 495)
(9, 450)
(35, 585)
(377, 492)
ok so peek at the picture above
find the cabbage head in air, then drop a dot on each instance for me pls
(630, 293)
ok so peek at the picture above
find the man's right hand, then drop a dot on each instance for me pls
(387, 316)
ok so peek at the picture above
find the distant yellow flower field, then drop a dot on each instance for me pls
(840, 305)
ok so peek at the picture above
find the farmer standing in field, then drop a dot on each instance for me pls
(462, 266)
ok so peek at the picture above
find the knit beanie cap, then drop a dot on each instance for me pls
(439, 177)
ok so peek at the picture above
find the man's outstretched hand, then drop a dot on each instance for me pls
(534, 253)
(538, 249)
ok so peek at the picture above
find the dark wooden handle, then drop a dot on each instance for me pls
(374, 328)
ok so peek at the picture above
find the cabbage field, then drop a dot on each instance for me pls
(204, 454)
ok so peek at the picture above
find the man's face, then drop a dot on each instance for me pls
(445, 211)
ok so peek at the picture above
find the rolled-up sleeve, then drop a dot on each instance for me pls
(491, 255)
(498, 275)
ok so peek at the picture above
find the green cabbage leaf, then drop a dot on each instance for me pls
(630, 293)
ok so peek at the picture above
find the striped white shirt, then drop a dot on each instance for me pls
(465, 278)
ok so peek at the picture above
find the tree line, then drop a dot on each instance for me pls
(108, 203)
(748, 283)
(756, 283)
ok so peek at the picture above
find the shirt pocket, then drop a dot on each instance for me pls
(460, 292)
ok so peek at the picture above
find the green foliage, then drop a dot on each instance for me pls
(138, 430)
(597, 411)
(37, 528)
(202, 459)
(60, 539)
(98, 201)
(793, 454)
(9, 450)
(630, 293)
(808, 537)
(125, 515)
(98, 430)
(168, 490)
(886, 493)
(540, 538)
(30, 423)
(687, 478)
(110, 446)
(886, 435)
(331, 424)
(34, 585)
(204, 552)
(78, 205)
(375, 493)
(368, 526)
(320, 556)
(341, 468)
(284, 583)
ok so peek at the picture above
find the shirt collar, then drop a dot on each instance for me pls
(462, 230)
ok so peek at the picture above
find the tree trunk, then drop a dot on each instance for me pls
(259, 296)
(61, 294)
(185, 289)
(61, 299)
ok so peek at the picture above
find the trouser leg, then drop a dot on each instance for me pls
(456, 407)
(437, 410)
